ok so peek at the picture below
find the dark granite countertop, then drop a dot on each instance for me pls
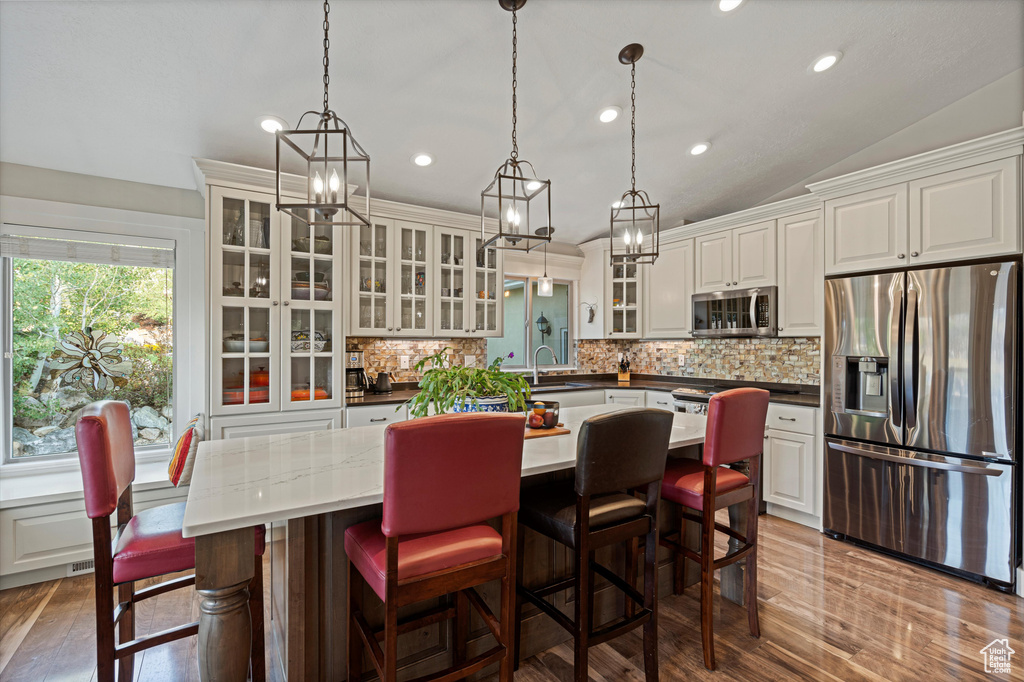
(784, 394)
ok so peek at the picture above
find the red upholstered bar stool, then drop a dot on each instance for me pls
(444, 476)
(735, 432)
(147, 545)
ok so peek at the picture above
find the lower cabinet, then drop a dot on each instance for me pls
(375, 415)
(661, 400)
(625, 397)
(791, 459)
(271, 424)
(573, 398)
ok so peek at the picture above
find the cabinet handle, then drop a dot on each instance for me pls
(379, 419)
(275, 302)
(287, 303)
(914, 254)
(781, 328)
(788, 419)
(901, 256)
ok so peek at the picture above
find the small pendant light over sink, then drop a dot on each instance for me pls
(634, 219)
(331, 160)
(518, 197)
(545, 284)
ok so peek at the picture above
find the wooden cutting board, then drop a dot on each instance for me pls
(559, 430)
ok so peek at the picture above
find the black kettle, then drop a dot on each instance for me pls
(382, 384)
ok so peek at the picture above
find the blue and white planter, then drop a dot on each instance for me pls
(488, 404)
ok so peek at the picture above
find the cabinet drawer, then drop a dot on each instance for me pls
(375, 415)
(791, 418)
(661, 400)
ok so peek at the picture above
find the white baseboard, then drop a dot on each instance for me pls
(38, 575)
(803, 518)
(1020, 582)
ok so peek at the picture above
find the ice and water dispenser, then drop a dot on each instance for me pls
(860, 385)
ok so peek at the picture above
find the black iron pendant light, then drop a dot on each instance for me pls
(333, 160)
(521, 200)
(634, 218)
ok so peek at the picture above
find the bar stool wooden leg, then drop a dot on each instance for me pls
(750, 588)
(651, 602)
(126, 630)
(520, 562)
(583, 597)
(355, 640)
(632, 551)
(707, 582)
(460, 627)
(509, 599)
(391, 613)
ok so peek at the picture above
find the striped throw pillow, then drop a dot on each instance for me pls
(184, 458)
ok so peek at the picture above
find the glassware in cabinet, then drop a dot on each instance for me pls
(414, 279)
(623, 290)
(371, 248)
(451, 247)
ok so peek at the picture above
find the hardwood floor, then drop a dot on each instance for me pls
(829, 611)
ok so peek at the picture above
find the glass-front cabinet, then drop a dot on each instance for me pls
(372, 312)
(273, 307)
(451, 297)
(413, 248)
(487, 306)
(622, 293)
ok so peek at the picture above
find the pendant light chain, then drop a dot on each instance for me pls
(515, 144)
(327, 47)
(632, 123)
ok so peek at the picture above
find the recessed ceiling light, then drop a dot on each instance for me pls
(700, 148)
(826, 61)
(727, 5)
(609, 114)
(271, 124)
(534, 184)
(422, 159)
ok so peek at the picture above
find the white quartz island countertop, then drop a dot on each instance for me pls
(249, 481)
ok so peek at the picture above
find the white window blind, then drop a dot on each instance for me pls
(41, 248)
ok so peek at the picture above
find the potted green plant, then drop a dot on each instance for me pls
(456, 388)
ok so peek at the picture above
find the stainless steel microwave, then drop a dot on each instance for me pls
(739, 312)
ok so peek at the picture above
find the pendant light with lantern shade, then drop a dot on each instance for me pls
(518, 197)
(545, 284)
(332, 161)
(634, 229)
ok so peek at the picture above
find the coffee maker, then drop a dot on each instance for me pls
(355, 376)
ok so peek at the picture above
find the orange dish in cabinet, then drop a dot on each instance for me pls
(303, 394)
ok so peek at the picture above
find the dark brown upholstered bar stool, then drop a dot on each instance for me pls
(617, 455)
(735, 432)
(444, 476)
(147, 545)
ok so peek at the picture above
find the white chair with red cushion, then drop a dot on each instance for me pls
(147, 545)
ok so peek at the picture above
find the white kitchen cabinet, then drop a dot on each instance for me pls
(661, 400)
(273, 424)
(791, 458)
(867, 230)
(967, 213)
(801, 275)
(573, 398)
(623, 296)
(487, 313)
(713, 255)
(592, 290)
(467, 286)
(753, 255)
(372, 263)
(668, 289)
(742, 257)
(274, 307)
(375, 415)
(625, 397)
(412, 278)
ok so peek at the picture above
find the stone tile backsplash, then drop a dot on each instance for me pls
(780, 360)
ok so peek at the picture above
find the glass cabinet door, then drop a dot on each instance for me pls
(413, 249)
(371, 247)
(309, 359)
(245, 301)
(487, 308)
(451, 249)
(625, 297)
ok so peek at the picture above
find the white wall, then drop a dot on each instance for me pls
(996, 107)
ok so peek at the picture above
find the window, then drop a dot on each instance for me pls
(533, 321)
(54, 287)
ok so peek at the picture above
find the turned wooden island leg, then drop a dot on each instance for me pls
(224, 567)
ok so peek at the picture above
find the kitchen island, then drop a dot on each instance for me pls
(310, 487)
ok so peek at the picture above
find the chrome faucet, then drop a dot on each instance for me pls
(536, 373)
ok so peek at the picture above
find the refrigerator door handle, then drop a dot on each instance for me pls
(874, 452)
(911, 347)
(896, 345)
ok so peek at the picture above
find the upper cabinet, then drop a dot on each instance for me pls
(372, 307)
(667, 292)
(867, 230)
(488, 303)
(967, 213)
(414, 314)
(466, 285)
(801, 274)
(742, 257)
(623, 289)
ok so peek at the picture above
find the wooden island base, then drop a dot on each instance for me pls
(308, 575)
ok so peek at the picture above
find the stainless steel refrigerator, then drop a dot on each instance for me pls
(922, 415)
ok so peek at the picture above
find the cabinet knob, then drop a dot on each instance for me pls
(389, 329)
(399, 329)
(727, 284)
(735, 283)
(275, 302)
(467, 331)
(914, 254)
(781, 328)
(901, 256)
(287, 303)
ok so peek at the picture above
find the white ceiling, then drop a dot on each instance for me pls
(134, 90)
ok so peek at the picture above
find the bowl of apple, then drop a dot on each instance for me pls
(541, 414)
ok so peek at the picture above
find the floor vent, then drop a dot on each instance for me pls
(80, 567)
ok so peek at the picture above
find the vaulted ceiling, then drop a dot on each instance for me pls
(134, 90)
